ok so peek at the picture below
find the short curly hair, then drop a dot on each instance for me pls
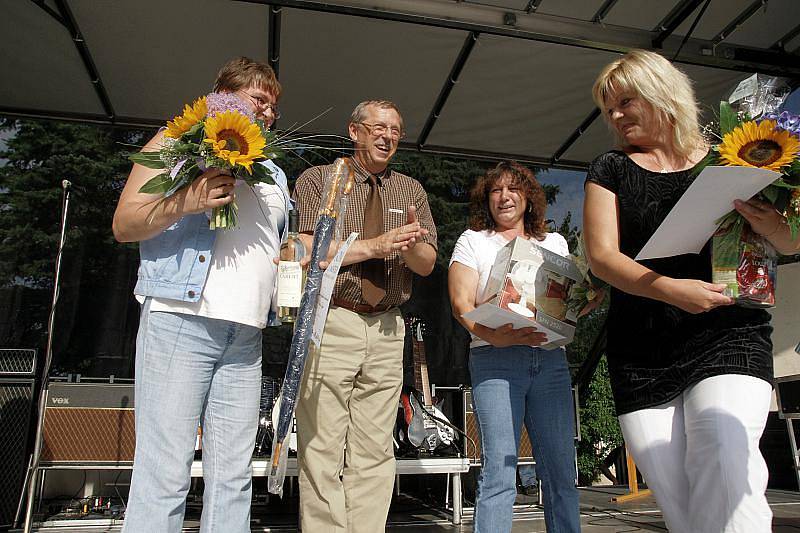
(522, 177)
(242, 72)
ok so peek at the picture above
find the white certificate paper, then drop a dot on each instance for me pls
(693, 220)
(492, 316)
(326, 289)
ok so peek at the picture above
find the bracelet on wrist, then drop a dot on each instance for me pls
(782, 222)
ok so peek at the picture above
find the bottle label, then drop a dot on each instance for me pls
(290, 283)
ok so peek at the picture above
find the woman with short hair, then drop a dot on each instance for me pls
(206, 295)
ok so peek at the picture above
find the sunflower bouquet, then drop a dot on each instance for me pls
(217, 130)
(743, 260)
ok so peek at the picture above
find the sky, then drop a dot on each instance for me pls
(570, 194)
(792, 103)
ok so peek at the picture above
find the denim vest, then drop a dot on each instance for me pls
(174, 264)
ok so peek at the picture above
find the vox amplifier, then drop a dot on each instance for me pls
(88, 423)
(525, 452)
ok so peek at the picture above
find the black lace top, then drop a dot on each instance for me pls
(655, 350)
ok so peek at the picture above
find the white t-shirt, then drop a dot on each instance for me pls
(241, 278)
(478, 249)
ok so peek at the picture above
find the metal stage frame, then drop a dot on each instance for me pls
(453, 467)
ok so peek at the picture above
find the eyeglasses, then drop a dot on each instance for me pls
(261, 103)
(379, 129)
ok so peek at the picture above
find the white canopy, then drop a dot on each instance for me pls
(491, 78)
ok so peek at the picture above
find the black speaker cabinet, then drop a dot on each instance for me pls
(787, 389)
(16, 409)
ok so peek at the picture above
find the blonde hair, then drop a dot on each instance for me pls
(242, 72)
(360, 112)
(668, 90)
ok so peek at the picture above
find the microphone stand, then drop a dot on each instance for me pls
(33, 466)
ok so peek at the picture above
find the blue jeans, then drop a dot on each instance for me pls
(511, 385)
(188, 367)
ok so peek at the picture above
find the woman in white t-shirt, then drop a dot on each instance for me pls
(514, 379)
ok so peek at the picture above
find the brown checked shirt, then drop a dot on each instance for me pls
(397, 191)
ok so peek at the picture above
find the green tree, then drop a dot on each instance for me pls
(600, 431)
(571, 233)
(95, 304)
(447, 183)
(39, 156)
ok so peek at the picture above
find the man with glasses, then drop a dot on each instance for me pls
(348, 400)
(263, 101)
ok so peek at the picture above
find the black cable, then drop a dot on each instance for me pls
(621, 515)
(691, 29)
(75, 496)
(116, 489)
(603, 521)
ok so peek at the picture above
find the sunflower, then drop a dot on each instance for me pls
(759, 145)
(191, 116)
(235, 139)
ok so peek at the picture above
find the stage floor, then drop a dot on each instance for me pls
(598, 515)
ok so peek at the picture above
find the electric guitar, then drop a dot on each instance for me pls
(420, 413)
(270, 388)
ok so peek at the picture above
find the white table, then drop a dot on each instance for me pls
(453, 466)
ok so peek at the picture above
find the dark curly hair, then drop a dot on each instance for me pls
(481, 218)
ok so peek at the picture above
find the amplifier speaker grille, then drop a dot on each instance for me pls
(471, 429)
(16, 404)
(88, 435)
(17, 362)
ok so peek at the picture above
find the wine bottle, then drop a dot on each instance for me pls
(290, 273)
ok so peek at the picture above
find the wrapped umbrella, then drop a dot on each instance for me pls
(333, 204)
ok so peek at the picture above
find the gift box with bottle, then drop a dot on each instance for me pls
(532, 286)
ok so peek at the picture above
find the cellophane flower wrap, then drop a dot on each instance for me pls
(586, 295)
(756, 134)
(217, 130)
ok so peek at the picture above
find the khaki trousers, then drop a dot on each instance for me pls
(345, 417)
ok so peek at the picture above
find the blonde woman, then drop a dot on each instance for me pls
(691, 373)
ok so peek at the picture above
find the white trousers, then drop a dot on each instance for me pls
(699, 454)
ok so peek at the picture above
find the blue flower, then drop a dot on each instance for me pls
(785, 121)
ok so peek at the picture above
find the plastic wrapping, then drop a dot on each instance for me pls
(336, 193)
(754, 134)
(585, 296)
(759, 95)
(336, 185)
(747, 264)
